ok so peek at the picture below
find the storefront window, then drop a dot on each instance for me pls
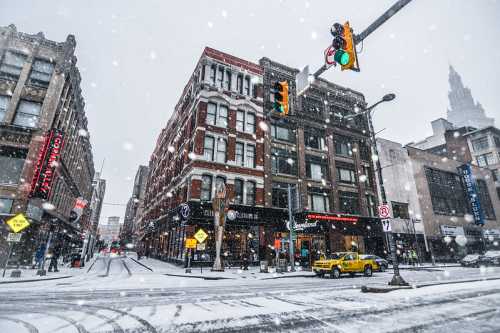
(11, 164)
(250, 199)
(206, 188)
(238, 191)
(349, 202)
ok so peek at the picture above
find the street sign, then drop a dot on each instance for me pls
(384, 212)
(329, 57)
(13, 237)
(201, 247)
(190, 243)
(185, 210)
(200, 236)
(386, 225)
(18, 223)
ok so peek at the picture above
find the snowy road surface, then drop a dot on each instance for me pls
(120, 295)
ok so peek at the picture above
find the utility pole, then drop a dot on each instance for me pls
(371, 28)
(397, 279)
(291, 223)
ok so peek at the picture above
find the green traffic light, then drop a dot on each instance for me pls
(342, 57)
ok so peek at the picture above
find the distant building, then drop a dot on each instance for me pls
(135, 205)
(110, 232)
(95, 205)
(463, 111)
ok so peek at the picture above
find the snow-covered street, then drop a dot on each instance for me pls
(128, 297)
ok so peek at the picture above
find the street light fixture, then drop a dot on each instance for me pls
(397, 280)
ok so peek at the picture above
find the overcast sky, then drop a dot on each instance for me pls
(136, 56)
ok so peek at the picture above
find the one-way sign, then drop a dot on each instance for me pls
(386, 225)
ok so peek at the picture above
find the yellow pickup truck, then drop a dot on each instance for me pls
(344, 262)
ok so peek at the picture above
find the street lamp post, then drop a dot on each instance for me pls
(397, 279)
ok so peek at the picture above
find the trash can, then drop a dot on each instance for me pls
(282, 266)
(263, 266)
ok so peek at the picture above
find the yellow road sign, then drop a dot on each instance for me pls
(190, 243)
(18, 223)
(200, 235)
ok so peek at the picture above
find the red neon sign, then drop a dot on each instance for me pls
(331, 218)
(50, 153)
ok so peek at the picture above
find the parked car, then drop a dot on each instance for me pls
(344, 262)
(490, 258)
(470, 260)
(381, 262)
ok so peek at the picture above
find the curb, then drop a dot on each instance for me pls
(37, 280)
(368, 289)
(200, 277)
(288, 277)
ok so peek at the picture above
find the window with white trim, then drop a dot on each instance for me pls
(239, 83)
(213, 71)
(12, 64)
(240, 120)
(208, 148)
(220, 77)
(239, 153)
(41, 72)
(211, 113)
(227, 80)
(250, 123)
(206, 188)
(246, 86)
(250, 156)
(222, 116)
(250, 195)
(221, 150)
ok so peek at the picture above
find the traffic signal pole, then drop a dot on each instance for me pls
(371, 28)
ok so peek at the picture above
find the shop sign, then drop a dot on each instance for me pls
(331, 218)
(306, 225)
(471, 188)
(451, 230)
(18, 223)
(200, 236)
(190, 243)
(239, 215)
(492, 232)
(48, 157)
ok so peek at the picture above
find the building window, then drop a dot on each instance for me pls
(316, 167)
(283, 161)
(206, 188)
(282, 133)
(349, 202)
(250, 195)
(496, 174)
(280, 195)
(239, 151)
(485, 200)
(208, 148)
(4, 105)
(318, 201)
(41, 72)
(12, 64)
(219, 181)
(221, 150)
(211, 113)
(227, 80)
(367, 172)
(5, 205)
(497, 141)
(343, 147)
(240, 120)
(239, 84)
(250, 125)
(250, 156)
(347, 176)
(370, 201)
(222, 116)
(447, 192)
(238, 191)
(27, 114)
(400, 210)
(246, 86)
(11, 164)
(486, 159)
(314, 141)
(220, 77)
(480, 143)
(364, 152)
(213, 71)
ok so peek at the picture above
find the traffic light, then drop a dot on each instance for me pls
(349, 47)
(281, 104)
(339, 43)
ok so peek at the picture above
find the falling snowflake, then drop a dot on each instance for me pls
(128, 146)
(171, 148)
(314, 35)
(115, 63)
(210, 25)
(224, 13)
(363, 178)
(82, 132)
